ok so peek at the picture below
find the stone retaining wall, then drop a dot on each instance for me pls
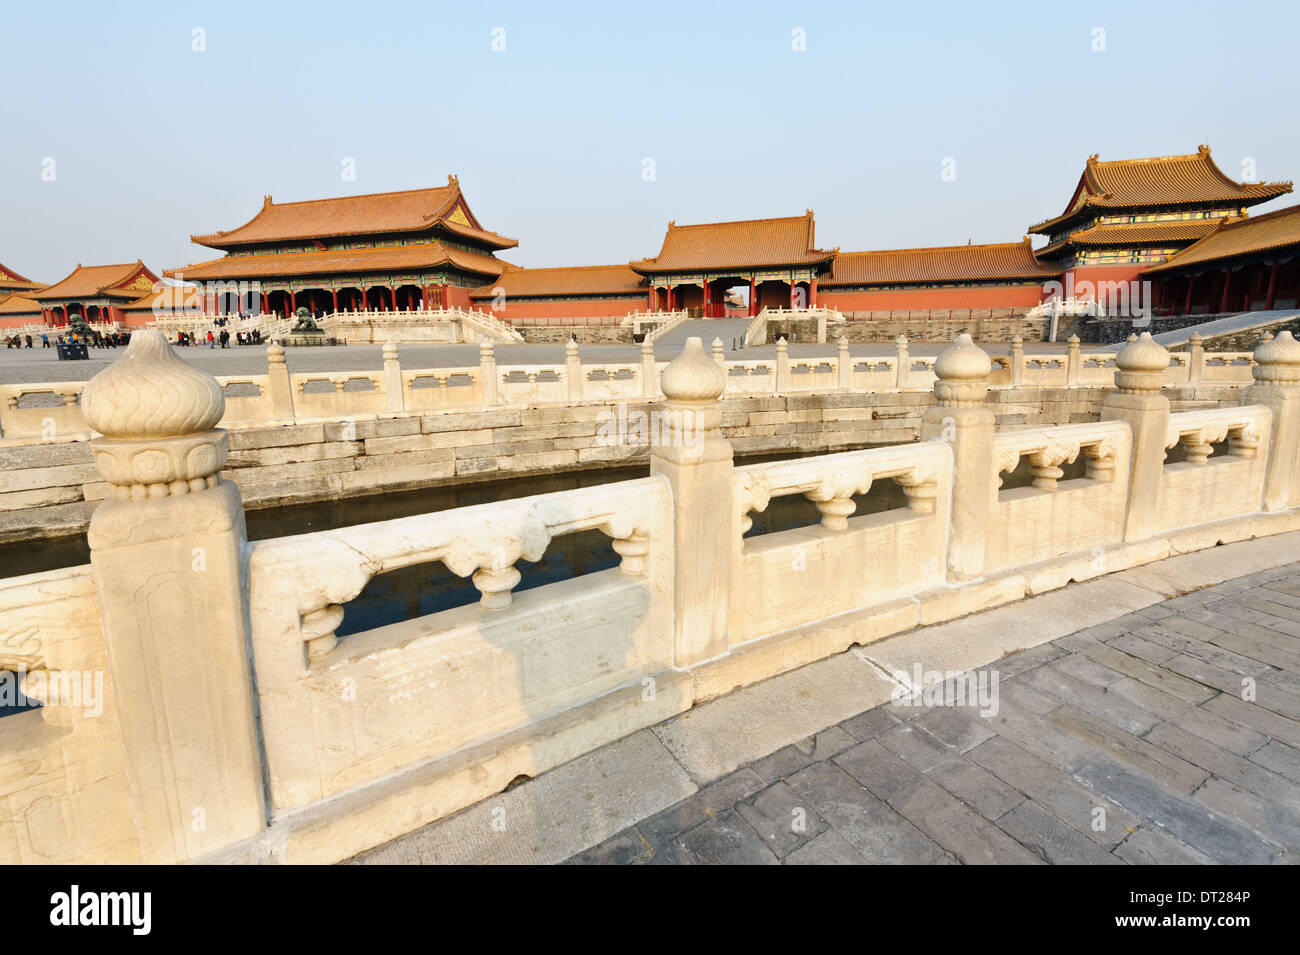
(50, 490)
(946, 330)
(586, 334)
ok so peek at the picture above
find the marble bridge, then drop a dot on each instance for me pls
(234, 725)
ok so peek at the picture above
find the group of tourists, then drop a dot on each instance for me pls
(222, 337)
(91, 340)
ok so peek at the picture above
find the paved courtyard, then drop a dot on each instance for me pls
(24, 366)
(1123, 733)
(1128, 742)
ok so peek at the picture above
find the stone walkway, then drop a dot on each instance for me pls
(1129, 742)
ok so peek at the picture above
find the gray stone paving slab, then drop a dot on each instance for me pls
(727, 839)
(1280, 758)
(871, 827)
(1134, 740)
(783, 819)
(1038, 830)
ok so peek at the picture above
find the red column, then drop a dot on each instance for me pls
(753, 302)
(335, 293)
(1227, 284)
(1187, 305)
(706, 297)
(652, 297)
(812, 292)
(792, 292)
(1272, 287)
(672, 298)
(443, 292)
(293, 302)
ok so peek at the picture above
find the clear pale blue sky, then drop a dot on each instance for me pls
(153, 141)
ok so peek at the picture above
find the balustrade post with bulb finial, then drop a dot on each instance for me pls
(487, 373)
(1138, 398)
(393, 390)
(697, 461)
(279, 390)
(1277, 387)
(649, 370)
(169, 556)
(573, 370)
(960, 418)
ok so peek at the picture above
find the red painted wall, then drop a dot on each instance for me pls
(458, 297)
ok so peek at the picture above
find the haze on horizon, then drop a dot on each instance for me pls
(153, 140)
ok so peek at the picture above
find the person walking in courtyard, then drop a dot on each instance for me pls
(45, 340)
(212, 341)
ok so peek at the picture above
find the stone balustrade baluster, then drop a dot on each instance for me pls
(1045, 470)
(835, 511)
(495, 585)
(318, 630)
(1073, 362)
(844, 365)
(1099, 463)
(634, 551)
(1196, 446)
(1017, 361)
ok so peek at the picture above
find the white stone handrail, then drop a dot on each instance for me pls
(1211, 426)
(492, 328)
(675, 320)
(1101, 442)
(830, 480)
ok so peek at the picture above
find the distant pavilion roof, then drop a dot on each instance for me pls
(950, 263)
(577, 280)
(11, 281)
(167, 298)
(423, 255)
(415, 210)
(20, 305)
(1239, 236)
(1136, 233)
(751, 243)
(125, 281)
(1162, 181)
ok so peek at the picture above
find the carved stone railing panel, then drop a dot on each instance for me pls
(1209, 487)
(1049, 448)
(301, 585)
(789, 578)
